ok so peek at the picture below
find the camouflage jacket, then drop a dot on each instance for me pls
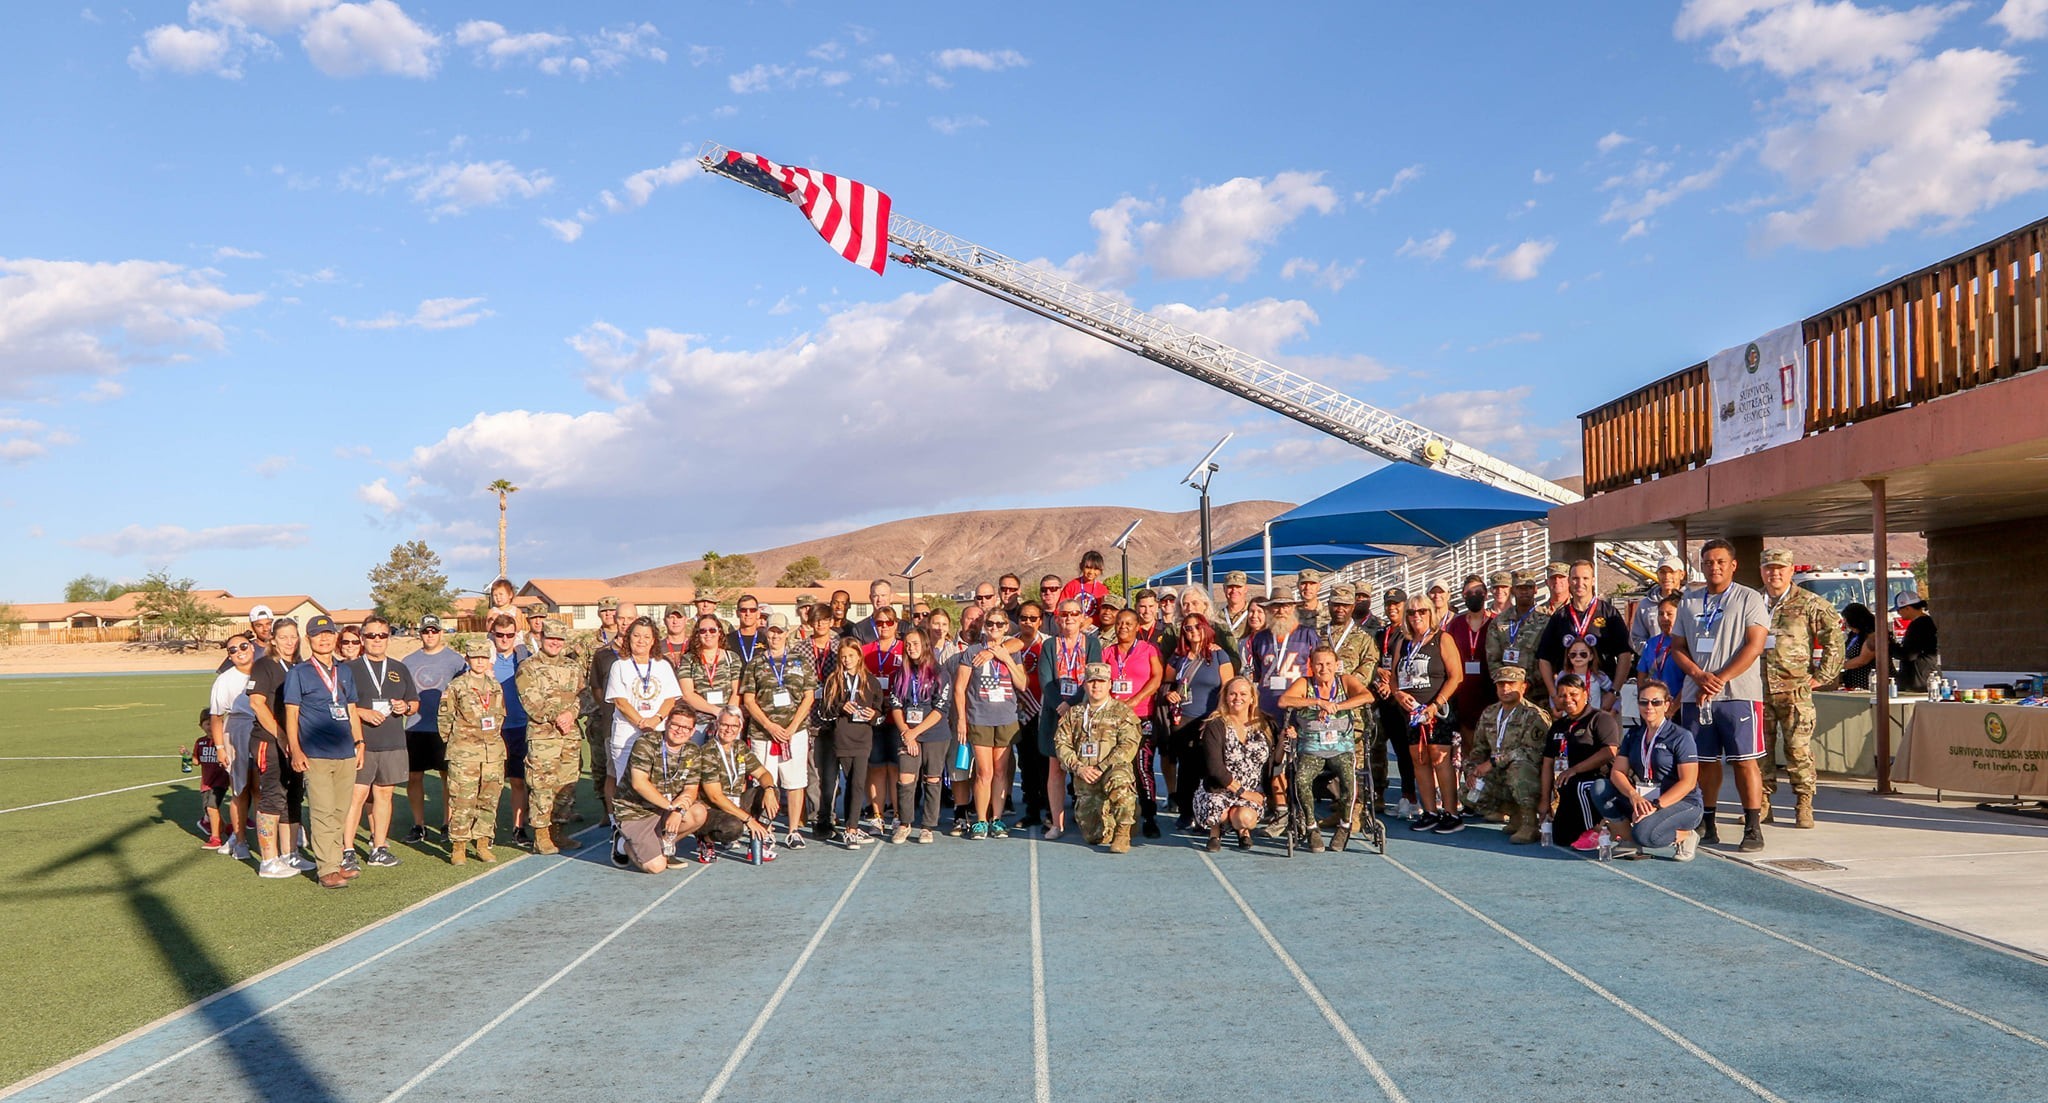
(671, 772)
(469, 700)
(1515, 739)
(1111, 727)
(719, 682)
(1357, 653)
(1507, 633)
(798, 678)
(548, 688)
(1802, 623)
(733, 769)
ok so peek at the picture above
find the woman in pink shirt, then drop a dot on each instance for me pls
(1135, 671)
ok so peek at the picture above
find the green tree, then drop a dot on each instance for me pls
(808, 571)
(10, 624)
(1122, 586)
(502, 488)
(168, 607)
(410, 584)
(91, 587)
(723, 576)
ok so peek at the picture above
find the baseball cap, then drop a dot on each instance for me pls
(1394, 595)
(320, 625)
(1776, 557)
(1096, 672)
(1510, 674)
(1671, 563)
(430, 621)
(778, 621)
(1113, 601)
(555, 629)
(1236, 578)
(478, 648)
(1439, 588)
(1908, 599)
(261, 612)
(677, 610)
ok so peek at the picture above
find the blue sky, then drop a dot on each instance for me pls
(285, 282)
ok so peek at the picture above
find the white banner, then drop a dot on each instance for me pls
(1759, 393)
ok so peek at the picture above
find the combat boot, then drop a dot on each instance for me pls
(544, 841)
(1120, 841)
(1341, 838)
(1804, 815)
(1768, 817)
(564, 840)
(458, 852)
(1526, 825)
(1315, 839)
(483, 851)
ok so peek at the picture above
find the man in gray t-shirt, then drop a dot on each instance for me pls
(1717, 642)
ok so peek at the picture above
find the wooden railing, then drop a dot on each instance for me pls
(1972, 319)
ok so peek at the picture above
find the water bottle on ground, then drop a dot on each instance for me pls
(1606, 844)
(1544, 832)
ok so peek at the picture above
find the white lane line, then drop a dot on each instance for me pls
(1315, 995)
(477, 1036)
(1636, 1013)
(312, 988)
(740, 1051)
(179, 780)
(1845, 963)
(1041, 1046)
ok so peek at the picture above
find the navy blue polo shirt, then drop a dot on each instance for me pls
(321, 735)
(505, 668)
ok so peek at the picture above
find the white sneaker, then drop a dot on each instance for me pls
(298, 863)
(276, 868)
(1406, 811)
(1686, 849)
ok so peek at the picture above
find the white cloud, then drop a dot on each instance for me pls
(447, 313)
(1636, 229)
(1523, 262)
(350, 40)
(450, 187)
(1495, 421)
(826, 51)
(160, 542)
(764, 78)
(229, 252)
(2023, 20)
(1401, 180)
(566, 229)
(1541, 177)
(1333, 274)
(23, 439)
(267, 16)
(1611, 141)
(1653, 199)
(271, 467)
(60, 317)
(954, 124)
(187, 51)
(1790, 37)
(378, 495)
(105, 390)
(641, 186)
(554, 54)
(1526, 337)
(988, 61)
(1219, 230)
(1432, 247)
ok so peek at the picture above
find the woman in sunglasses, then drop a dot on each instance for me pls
(707, 676)
(1200, 668)
(1652, 797)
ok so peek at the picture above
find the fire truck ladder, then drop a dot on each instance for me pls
(1106, 318)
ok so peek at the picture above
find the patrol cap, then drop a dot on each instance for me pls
(1237, 578)
(805, 601)
(1395, 596)
(1501, 578)
(1096, 672)
(1283, 595)
(1559, 570)
(1112, 601)
(536, 612)
(677, 610)
(555, 629)
(1510, 674)
(1776, 557)
(430, 623)
(1307, 577)
(778, 622)
(610, 603)
(1344, 593)
(711, 601)
(1526, 577)
(261, 612)
(478, 648)
(324, 624)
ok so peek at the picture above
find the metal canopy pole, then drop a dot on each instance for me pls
(1881, 670)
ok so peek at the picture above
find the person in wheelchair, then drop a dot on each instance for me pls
(1321, 706)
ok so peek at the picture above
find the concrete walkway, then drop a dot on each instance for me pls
(1983, 874)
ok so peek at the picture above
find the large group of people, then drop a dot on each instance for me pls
(1559, 714)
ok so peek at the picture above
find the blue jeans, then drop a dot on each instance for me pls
(1659, 828)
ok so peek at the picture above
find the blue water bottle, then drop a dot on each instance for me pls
(963, 757)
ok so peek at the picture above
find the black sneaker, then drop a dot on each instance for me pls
(1448, 825)
(418, 834)
(1151, 829)
(348, 861)
(1423, 822)
(619, 858)
(382, 857)
(1752, 839)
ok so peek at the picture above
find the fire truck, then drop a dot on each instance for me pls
(1856, 582)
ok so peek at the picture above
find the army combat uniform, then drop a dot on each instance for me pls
(1511, 641)
(473, 724)
(1804, 645)
(1104, 736)
(1511, 737)
(1358, 652)
(548, 688)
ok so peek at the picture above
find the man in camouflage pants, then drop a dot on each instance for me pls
(473, 722)
(1507, 778)
(1097, 742)
(1803, 650)
(1358, 652)
(551, 686)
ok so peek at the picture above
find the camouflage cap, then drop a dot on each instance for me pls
(1344, 593)
(1559, 570)
(1510, 674)
(805, 601)
(1501, 578)
(1307, 577)
(477, 648)
(1096, 672)
(556, 628)
(609, 603)
(1112, 601)
(678, 610)
(1527, 578)
(1776, 557)
(1236, 578)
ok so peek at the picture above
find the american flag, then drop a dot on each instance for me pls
(852, 217)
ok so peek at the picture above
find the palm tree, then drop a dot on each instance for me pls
(502, 488)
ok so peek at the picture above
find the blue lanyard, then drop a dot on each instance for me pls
(746, 649)
(778, 668)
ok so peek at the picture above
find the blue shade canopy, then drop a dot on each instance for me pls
(1402, 504)
(1252, 561)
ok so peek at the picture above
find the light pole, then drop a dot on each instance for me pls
(1199, 479)
(1123, 547)
(910, 575)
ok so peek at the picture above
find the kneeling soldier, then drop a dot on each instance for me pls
(1097, 744)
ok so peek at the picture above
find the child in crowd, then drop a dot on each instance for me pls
(216, 789)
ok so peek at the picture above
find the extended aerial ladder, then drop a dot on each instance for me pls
(1050, 295)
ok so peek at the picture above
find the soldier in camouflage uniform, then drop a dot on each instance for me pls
(472, 722)
(1803, 650)
(1358, 652)
(1506, 778)
(1100, 738)
(1511, 637)
(1309, 584)
(551, 687)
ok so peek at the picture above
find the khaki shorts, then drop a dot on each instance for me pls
(999, 736)
(642, 836)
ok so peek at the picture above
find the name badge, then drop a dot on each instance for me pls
(1702, 647)
(1511, 656)
(1121, 687)
(646, 708)
(488, 723)
(1649, 792)
(1277, 681)
(250, 687)
(339, 712)
(781, 699)
(1771, 641)
(1145, 728)
(1089, 748)
(1471, 666)
(913, 717)
(714, 697)
(1069, 687)
(381, 707)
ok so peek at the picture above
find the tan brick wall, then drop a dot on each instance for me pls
(1986, 587)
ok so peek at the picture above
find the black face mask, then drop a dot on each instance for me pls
(1475, 602)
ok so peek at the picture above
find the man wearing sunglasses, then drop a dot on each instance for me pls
(432, 667)
(746, 641)
(507, 656)
(1010, 592)
(386, 699)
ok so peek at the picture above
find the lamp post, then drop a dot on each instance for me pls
(1199, 479)
(910, 575)
(1123, 547)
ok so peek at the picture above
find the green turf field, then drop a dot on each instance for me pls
(115, 916)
